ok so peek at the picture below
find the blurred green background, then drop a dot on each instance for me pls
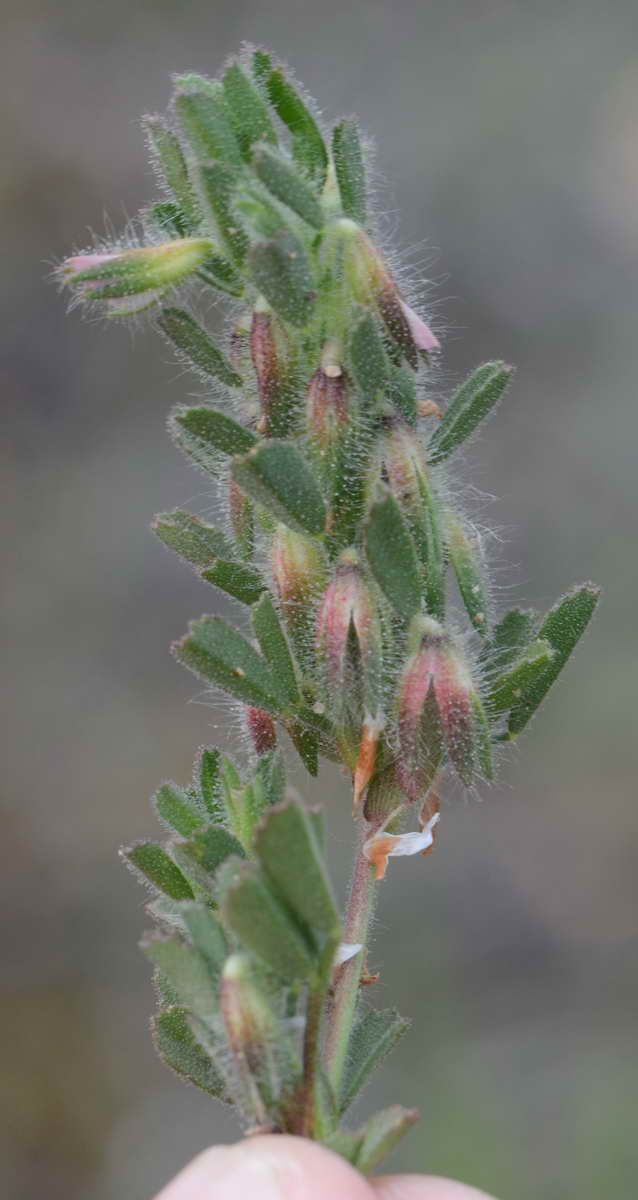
(506, 138)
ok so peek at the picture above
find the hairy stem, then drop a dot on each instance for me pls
(346, 991)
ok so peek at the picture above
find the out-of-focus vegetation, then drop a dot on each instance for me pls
(507, 140)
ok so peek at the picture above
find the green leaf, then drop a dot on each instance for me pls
(563, 628)
(178, 1047)
(381, 1134)
(187, 974)
(198, 543)
(511, 687)
(373, 1037)
(307, 143)
(271, 777)
(213, 846)
(237, 579)
(370, 365)
(281, 271)
(207, 776)
(154, 863)
(402, 389)
(261, 923)
(167, 151)
(474, 400)
(217, 190)
(248, 113)
(221, 274)
(287, 185)
(262, 66)
(202, 112)
(288, 852)
(274, 646)
(392, 557)
(510, 636)
(219, 654)
(306, 744)
(195, 346)
(429, 543)
(277, 475)
(469, 575)
(210, 430)
(350, 483)
(177, 809)
(206, 934)
(483, 738)
(350, 170)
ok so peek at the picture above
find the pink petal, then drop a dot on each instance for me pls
(423, 337)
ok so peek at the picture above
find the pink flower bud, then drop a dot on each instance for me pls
(262, 728)
(326, 406)
(241, 518)
(436, 711)
(265, 361)
(348, 640)
(422, 335)
(128, 281)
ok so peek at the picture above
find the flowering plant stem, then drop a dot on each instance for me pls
(367, 632)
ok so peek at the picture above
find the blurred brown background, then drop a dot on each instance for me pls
(507, 141)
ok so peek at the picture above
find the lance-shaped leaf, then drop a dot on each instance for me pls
(262, 924)
(368, 358)
(207, 430)
(307, 142)
(167, 151)
(221, 274)
(211, 847)
(428, 535)
(509, 638)
(217, 185)
(392, 557)
(206, 934)
(178, 810)
(467, 569)
(287, 185)
(274, 645)
(208, 781)
(288, 852)
(512, 686)
(248, 113)
(151, 861)
(306, 744)
(375, 1034)
(281, 270)
(195, 346)
(239, 580)
(178, 1047)
(563, 628)
(402, 390)
(350, 483)
(350, 170)
(270, 777)
(187, 974)
(277, 475)
(381, 1133)
(219, 654)
(475, 399)
(202, 112)
(198, 543)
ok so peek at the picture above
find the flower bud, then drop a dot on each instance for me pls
(265, 361)
(261, 728)
(349, 641)
(129, 281)
(298, 570)
(326, 407)
(251, 1029)
(436, 711)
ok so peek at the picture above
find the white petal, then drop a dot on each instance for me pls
(414, 843)
(346, 951)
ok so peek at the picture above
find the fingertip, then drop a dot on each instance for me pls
(269, 1167)
(423, 1187)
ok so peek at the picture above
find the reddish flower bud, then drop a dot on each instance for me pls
(261, 728)
(265, 361)
(326, 406)
(436, 711)
(242, 519)
(349, 610)
(298, 569)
